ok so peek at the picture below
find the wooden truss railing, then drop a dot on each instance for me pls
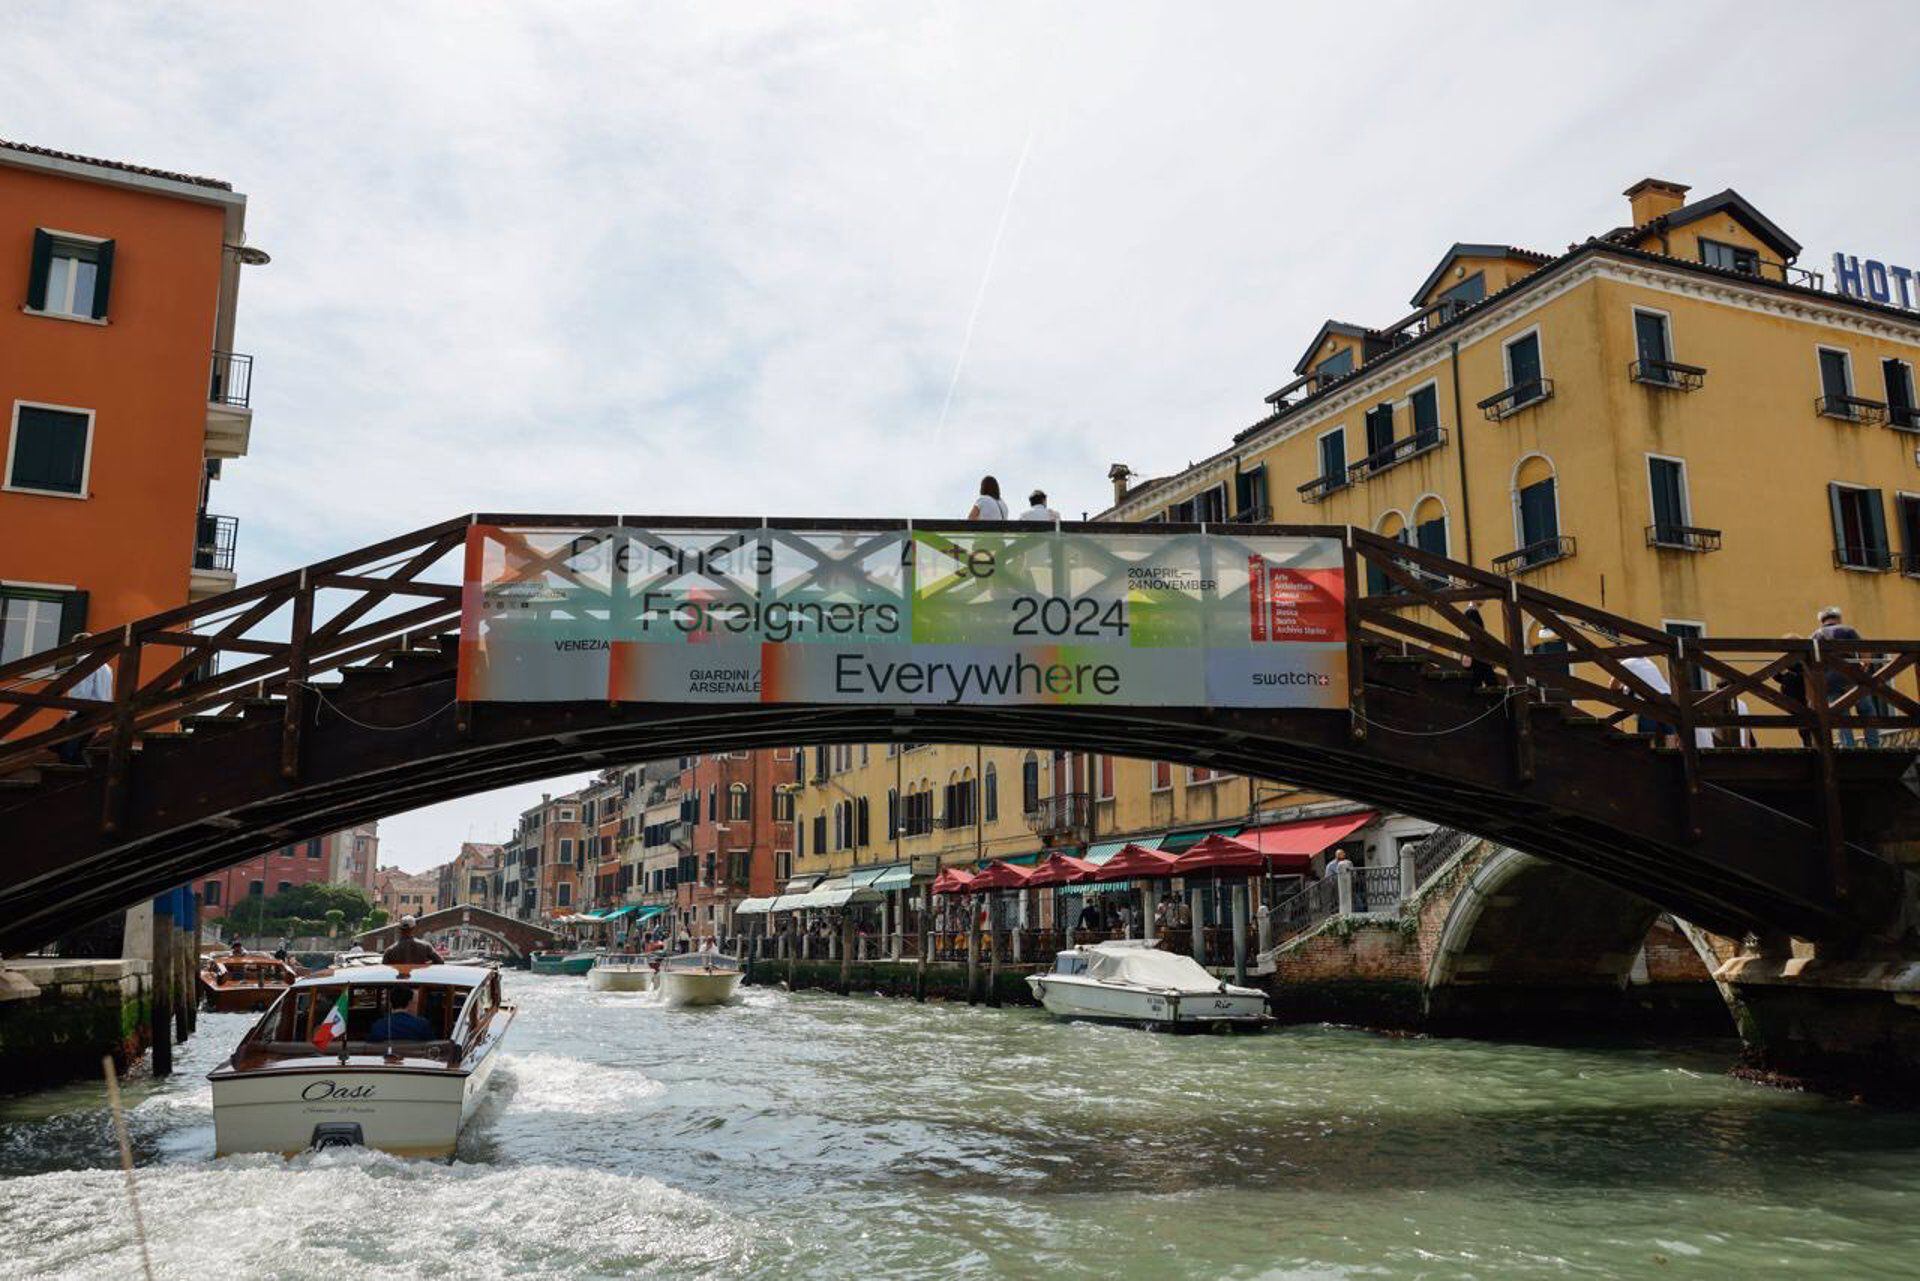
(281, 633)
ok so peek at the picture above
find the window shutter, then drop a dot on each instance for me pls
(37, 273)
(73, 615)
(1876, 528)
(1837, 506)
(102, 279)
(863, 822)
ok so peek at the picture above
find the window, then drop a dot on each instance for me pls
(69, 275)
(713, 803)
(1729, 257)
(1523, 370)
(1692, 632)
(739, 804)
(1106, 778)
(1207, 505)
(1162, 776)
(210, 894)
(1836, 382)
(1030, 783)
(1901, 410)
(1461, 296)
(1425, 402)
(48, 449)
(861, 832)
(1536, 510)
(893, 813)
(991, 787)
(566, 849)
(1250, 494)
(1392, 525)
(255, 889)
(1652, 345)
(782, 866)
(1430, 526)
(1907, 509)
(1667, 479)
(34, 619)
(1335, 366)
(782, 805)
(1859, 528)
(1333, 457)
(1379, 428)
(313, 848)
(563, 895)
(283, 887)
(819, 833)
(1200, 774)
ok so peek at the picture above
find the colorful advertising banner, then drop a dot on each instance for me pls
(955, 615)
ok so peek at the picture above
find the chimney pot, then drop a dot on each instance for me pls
(1119, 474)
(1651, 197)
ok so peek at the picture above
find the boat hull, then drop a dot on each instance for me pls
(408, 1112)
(603, 978)
(696, 987)
(239, 998)
(1195, 1011)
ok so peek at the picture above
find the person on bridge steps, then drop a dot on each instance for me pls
(1841, 676)
(1649, 674)
(408, 950)
(1791, 681)
(988, 505)
(1038, 509)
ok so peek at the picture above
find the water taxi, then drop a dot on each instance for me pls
(621, 972)
(1131, 981)
(699, 978)
(561, 962)
(235, 981)
(393, 1057)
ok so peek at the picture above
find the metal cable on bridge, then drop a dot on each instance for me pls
(321, 694)
(1505, 698)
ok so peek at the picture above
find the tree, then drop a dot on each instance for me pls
(336, 920)
(375, 919)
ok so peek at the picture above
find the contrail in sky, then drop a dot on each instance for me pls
(966, 341)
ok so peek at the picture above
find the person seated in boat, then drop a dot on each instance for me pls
(409, 950)
(237, 949)
(400, 1023)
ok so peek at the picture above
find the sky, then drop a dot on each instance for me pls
(774, 260)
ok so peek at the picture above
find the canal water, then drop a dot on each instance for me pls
(819, 1136)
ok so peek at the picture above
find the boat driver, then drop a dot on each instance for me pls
(409, 950)
(400, 1023)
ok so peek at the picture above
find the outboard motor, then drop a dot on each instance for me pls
(336, 1134)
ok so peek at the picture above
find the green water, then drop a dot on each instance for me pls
(819, 1136)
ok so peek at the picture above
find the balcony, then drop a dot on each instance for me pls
(1683, 538)
(1398, 452)
(1669, 374)
(1505, 404)
(1872, 559)
(1260, 515)
(1317, 489)
(213, 543)
(1535, 554)
(229, 405)
(1908, 564)
(1059, 817)
(1903, 418)
(1851, 409)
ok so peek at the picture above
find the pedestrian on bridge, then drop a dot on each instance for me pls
(1038, 509)
(988, 505)
(1846, 670)
(96, 684)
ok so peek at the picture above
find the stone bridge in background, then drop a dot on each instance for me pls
(519, 938)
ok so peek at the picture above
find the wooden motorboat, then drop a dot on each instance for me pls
(233, 982)
(621, 972)
(322, 1067)
(699, 978)
(1131, 981)
(562, 962)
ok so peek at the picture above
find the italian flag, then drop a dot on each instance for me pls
(334, 1026)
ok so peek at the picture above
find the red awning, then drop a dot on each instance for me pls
(999, 875)
(1136, 862)
(952, 880)
(1062, 869)
(1223, 856)
(1305, 838)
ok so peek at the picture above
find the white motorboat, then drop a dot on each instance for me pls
(621, 972)
(355, 959)
(699, 978)
(324, 1068)
(1133, 982)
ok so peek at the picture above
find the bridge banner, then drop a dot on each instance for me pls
(938, 615)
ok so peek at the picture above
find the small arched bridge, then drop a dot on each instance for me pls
(518, 937)
(337, 693)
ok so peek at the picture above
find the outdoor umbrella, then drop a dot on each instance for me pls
(1222, 856)
(952, 880)
(1061, 869)
(1137, 862)
(1000, 876)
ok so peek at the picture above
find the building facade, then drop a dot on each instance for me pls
(1671, 420)
(741, 830)
(407, 893)
(121, 392)
(319, 860)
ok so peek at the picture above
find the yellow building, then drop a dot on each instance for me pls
(1669, 420)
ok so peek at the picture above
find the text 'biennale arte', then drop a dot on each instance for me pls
(894, 616)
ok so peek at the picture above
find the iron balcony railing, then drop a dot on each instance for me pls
(1909, 564)
(1397, 452)
(1261, 515)
(1852, 409)
(1875, 558)
(1685, 538)
(1506, 403)
(1442, 845)
(1376, 889)
(232, 380)
(1320, 486)
(1543, 552)
(1903, 417)
(213, 542)
(1070, 812)
(1670, 374)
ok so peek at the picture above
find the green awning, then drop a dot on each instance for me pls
(1178, 841)
(647, 913)
(1096, 887)
(1104, 850)
(618, 912)
(886, 876)
(1022, 859)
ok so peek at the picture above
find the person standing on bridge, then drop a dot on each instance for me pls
(1038, 509)
(988, 505)
(409, 950)
(1845, 670)
(96, 684)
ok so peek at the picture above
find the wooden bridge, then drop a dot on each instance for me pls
(326, 696)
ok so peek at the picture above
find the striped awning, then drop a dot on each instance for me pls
(753, 906)
(1104, 850)
(1177, 841)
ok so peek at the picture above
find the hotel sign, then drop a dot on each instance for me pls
(927, 616)
(1876, 281)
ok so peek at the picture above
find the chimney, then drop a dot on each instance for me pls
(1651, 197)
(1119, 474)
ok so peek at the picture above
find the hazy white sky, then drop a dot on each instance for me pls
(706, 258)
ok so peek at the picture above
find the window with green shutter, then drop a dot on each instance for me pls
(48, 452)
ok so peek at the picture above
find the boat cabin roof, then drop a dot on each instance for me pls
(368, 975)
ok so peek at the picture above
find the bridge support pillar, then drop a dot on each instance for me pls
(1849, 1026)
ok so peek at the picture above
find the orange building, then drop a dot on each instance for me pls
(119, 390)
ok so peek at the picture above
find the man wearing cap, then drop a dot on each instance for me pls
(1839, 677)
(409, 950)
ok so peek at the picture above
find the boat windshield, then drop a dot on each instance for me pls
(622, 958)
(447, 1016)
(700, 961)
(1069, 963)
